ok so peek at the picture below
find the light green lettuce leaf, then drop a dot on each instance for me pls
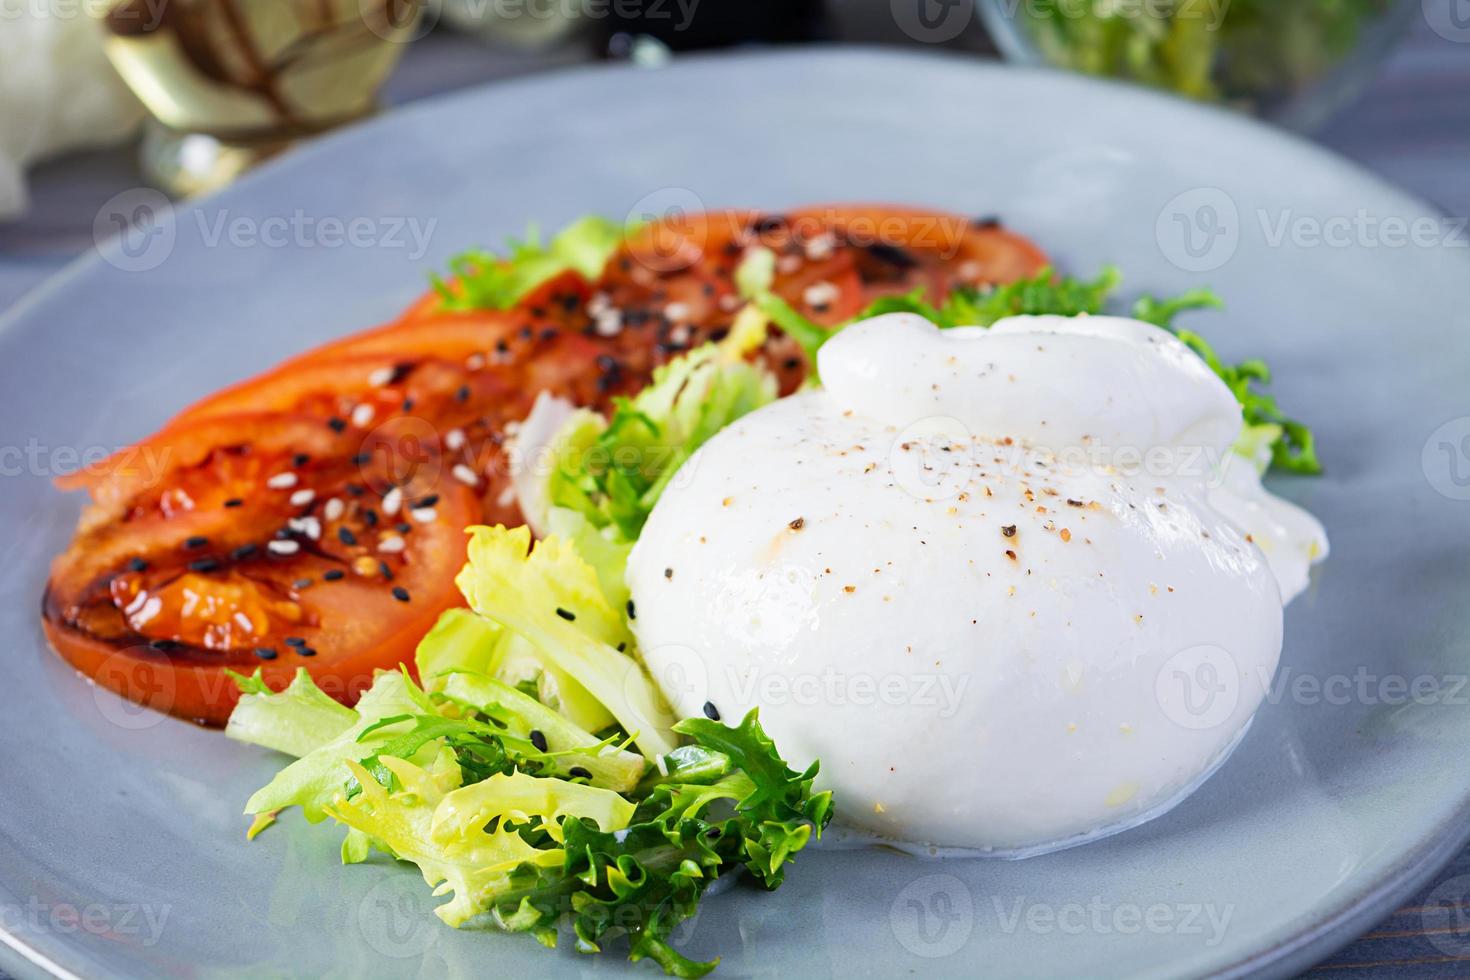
(551, 597)
(312, 780)
(295, 721)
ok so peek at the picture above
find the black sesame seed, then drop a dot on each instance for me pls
(370, 517)
(336, 424)
(305, 652)
(384, 570)
(345, 535)
(234, 502)
(711, 712)
(463, 394)
(204, 565)
(400, 593)
(265, 653)
(632, 610)
(566, 614)
(892, 255)
(333, 575)
(501, 347)
(164, 645)
(361, 459)
(428, 501)
(196, 542)
(295, 641)
(987, 221)
(768, 223)
(300, 459)
(550, 333)
(527, 333)
(407, 405)
(577, 772)
(623, 647)
(355, 489)
(668, 573)
(137, 565)
(538, 739)
(569, 302)
(403, 527)
(301, 583)
(1009, 530)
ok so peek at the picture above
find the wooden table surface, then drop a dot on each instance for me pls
(1412, 126)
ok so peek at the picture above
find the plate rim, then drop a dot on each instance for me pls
(1339, 924)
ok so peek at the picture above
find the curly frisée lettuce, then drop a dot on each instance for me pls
(612, 471)
(484, 281)
(536, 778)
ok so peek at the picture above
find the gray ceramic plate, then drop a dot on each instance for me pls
(121, 842)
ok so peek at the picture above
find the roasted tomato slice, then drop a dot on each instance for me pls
(252, 557)
(313, 516)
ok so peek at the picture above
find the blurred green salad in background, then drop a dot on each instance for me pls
(1292, 59)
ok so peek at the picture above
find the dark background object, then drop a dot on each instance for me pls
(722, 23)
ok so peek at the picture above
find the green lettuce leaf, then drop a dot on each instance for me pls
(314, 779)
(296, 721)
(613, 472)
(483, 281)
(550, 597)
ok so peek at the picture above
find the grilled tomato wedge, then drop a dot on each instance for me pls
(314, 516)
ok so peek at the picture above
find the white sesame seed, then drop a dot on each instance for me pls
(302, 497)
(424, 515)
(393, 501)
(333, 509)
(282, 481)
(788, 264)
(609, 323)
(677, 311)
(309, 526)
(507, 496)
(679, 335)
(820, 294)
(362, 415)
(151, 608)
(283, 547)
(454, 440)
(475, 362)
(136, 604)
(970, 271)
(599, 303)
(465, 475)
(380, 377)
(243, 621)
(821, 247)
(729, 302)
(391, 544)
